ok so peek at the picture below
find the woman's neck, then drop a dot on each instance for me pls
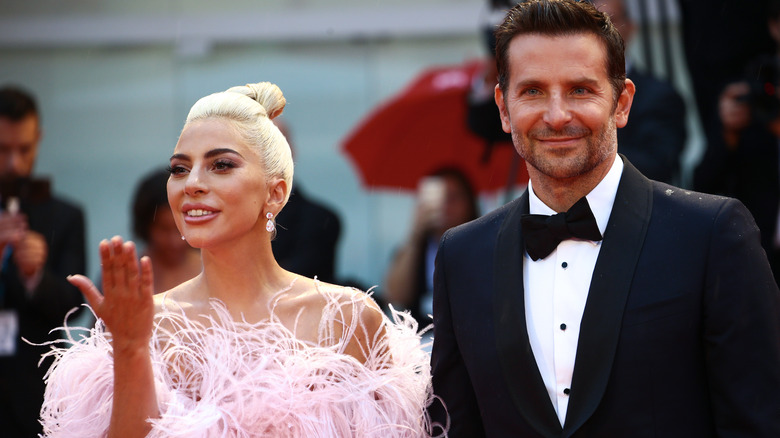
(167, 276)
(243, 274)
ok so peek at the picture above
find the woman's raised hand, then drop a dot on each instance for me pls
(126, 305)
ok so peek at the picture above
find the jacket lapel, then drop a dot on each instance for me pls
(609, 289)
(514, 349)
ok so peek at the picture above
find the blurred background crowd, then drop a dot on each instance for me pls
(390, 114)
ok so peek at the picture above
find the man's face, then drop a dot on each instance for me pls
(18, 146)
(559, 105)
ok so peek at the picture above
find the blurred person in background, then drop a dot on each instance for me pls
(482, 114)
(720, 37)
(174, 261)
(742, 161)
(307, 231)
(41, 242)
(655, 135)
(445, 199)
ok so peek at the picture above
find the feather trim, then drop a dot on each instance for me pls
(216, 377)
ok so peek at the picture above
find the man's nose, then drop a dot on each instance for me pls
(18, 164)
(14, 165)
(558, 112)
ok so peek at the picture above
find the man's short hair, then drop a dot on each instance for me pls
(561, 18)
(16, 104)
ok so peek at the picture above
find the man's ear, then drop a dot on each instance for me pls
(498, 95)
(624, 104)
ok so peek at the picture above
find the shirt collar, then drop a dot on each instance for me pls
(601, 198)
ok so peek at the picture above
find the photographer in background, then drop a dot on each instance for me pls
(445, 199)
(41, 242)
(744, 162)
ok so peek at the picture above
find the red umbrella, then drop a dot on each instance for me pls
(423, 129)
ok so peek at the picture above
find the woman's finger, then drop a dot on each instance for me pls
(117, 265)
(88, 289)
(106, 265)
(130, 267)
(147, 276)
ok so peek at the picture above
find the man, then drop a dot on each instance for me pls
(668, 327)
(307, 231)
(655, 137)
(41, 241)
(720, 37)
(742, 159)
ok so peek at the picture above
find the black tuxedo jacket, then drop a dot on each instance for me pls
(680, 335)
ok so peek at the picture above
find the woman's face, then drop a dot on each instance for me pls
(217, 189)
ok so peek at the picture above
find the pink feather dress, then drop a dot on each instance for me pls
(216, 377)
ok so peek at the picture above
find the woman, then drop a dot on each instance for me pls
(174, 261)
(245, 348)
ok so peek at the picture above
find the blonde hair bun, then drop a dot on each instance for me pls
(268, 95)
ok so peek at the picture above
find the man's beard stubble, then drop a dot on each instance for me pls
(561, 164)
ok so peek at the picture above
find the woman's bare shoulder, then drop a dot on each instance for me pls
(181, 297)
(348, 298)
(357, 313)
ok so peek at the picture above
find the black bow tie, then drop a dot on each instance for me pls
(542, 233)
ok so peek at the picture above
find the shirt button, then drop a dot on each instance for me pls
(566, 391)
(564, 265)
(563, 326)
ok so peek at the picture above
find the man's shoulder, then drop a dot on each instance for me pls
(677, 208)
(484, 226)
(674, 198)
(65, 205)
(54, 209)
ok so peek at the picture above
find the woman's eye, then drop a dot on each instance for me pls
(223, 165)
(176, 170)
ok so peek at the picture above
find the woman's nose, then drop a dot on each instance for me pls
(194, 183)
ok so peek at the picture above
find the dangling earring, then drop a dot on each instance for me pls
(269, 226)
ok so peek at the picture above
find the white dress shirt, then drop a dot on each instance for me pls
(556, 289)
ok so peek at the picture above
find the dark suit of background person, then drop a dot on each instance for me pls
(307, 231)
(306, 237)
(680, 334)
(720, 37)
(44, 307)
(655, 134)
(742, 161)
(747, 171)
